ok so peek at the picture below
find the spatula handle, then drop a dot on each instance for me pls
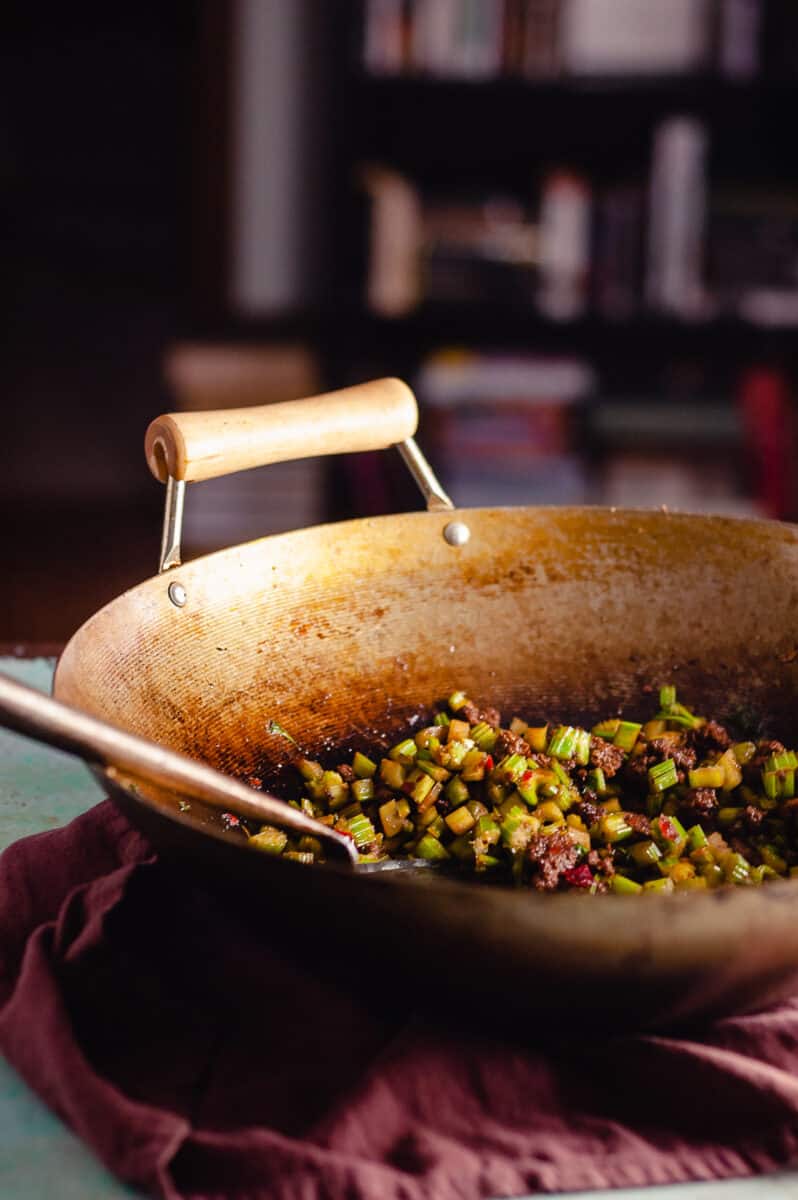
(125, 754)
(201, 445)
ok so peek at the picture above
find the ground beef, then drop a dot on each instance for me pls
(601, 860)
(763, 753)
(510, 743)
(606, 756)
(550, 856)
(710, 738)
(346, 772)
(473, 714)
(753, 817)
(683, 755)
(700, 804)
(589, 811)
(635, 771)
(542, 760)
(639, 822)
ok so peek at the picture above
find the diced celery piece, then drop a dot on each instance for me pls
(597, 781)
(438, 774)
(458, 730)
(363, 767)
(392, 773)
(484, 736)
(430, 848)
(562, 743)
(457, 700)
(309, 769)
(663, 884)
(607, 729)
(733, 776)
(582, 747)
(644, 853)
(771, 858)
(728, 815)
(696, 838)
(613, 827)
(390, 818)
(474, 766)
(486, 862)
(663, 775)
(269, 840)
(710, 777)
(404, 752)
(362, 790)
(460, 821)
(361, 830)
(626, 734)
(624, 886)
(550, 812)
(667, 697)
(744, 752)
(537, 737)
(456, 791)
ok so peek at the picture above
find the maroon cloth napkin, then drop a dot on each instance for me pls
(200, 1058)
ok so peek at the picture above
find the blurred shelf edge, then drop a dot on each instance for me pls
(483, 325)
(683, 87)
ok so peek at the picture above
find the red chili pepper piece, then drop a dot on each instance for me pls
(580, 876)
(668, 829)
(527, 777)
(489, 762)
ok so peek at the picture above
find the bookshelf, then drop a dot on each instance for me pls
(502, 134)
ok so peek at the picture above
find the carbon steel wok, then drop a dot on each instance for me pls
(340, 630)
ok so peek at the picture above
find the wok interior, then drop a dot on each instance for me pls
(343, 631)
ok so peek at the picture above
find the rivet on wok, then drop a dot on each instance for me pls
(457, 533)
(177, 594)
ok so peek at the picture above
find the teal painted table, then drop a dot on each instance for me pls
(40, 1159)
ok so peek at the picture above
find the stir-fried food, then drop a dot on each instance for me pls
(626, 807)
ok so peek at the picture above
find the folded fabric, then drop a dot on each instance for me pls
(201, 1057)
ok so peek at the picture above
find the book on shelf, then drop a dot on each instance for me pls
(739, 38)
(456, 249)
(753, 254)
(635, 37)
(542, 39)
(564, 245)
(675, 250)
(505, 429)
(617, 269)
(767, 417)
(684, 454)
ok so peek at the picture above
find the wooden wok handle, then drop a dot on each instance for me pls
(201, 445)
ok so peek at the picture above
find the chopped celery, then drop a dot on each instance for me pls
(430, 848)
(460, 821)
(363, 767)
(269, 839)
(606, 729)
(484, 736)
(626, 734)
(562, 743)
(596, 781)
(625, 886)
(663, 775)
(706, 777)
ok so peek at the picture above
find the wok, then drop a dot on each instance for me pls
(344, 631)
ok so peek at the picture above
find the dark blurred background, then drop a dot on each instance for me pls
(571, 225)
